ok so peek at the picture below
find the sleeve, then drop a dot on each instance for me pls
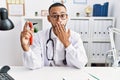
(33, 58)
(76, 54)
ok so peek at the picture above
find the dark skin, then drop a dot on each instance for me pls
(58, 26)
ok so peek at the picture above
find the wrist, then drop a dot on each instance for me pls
(67, 44)
(25, 47)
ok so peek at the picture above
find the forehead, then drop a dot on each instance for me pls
(57, 10)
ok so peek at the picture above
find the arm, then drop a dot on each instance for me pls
(32, 56)
(75, 53)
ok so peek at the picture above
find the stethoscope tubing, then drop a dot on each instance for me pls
(52, 59)
(50, 39)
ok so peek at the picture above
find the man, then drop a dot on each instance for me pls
(57, 46)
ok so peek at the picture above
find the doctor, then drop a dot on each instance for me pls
(57, 46)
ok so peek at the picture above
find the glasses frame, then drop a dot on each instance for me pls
(56, 17)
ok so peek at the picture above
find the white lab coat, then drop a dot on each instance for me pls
(36, 56)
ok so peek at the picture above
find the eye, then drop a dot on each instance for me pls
(55, 16)
(63, 15)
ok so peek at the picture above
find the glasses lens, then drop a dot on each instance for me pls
(63, 16)
(55, 16)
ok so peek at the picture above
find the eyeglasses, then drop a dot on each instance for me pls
(62, 16)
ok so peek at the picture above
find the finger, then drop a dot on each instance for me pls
(24, 37)
(30, 32)
(63, 28)
(58, 28)
(68, 32)
(28, 23)
(25, 26)
(26, 34)
(57, 31)
(21, 35)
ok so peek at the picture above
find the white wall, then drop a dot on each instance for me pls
(10, 50)
(32, 6)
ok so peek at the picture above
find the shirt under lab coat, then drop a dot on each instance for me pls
(36, 56)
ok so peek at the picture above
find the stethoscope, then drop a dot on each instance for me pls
(51, 60)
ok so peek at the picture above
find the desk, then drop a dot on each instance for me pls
(65, 73)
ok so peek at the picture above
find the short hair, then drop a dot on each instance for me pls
(56, 5)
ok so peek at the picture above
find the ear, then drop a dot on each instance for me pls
(48, 17)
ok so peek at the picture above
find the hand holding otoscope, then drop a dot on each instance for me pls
(27, 35)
